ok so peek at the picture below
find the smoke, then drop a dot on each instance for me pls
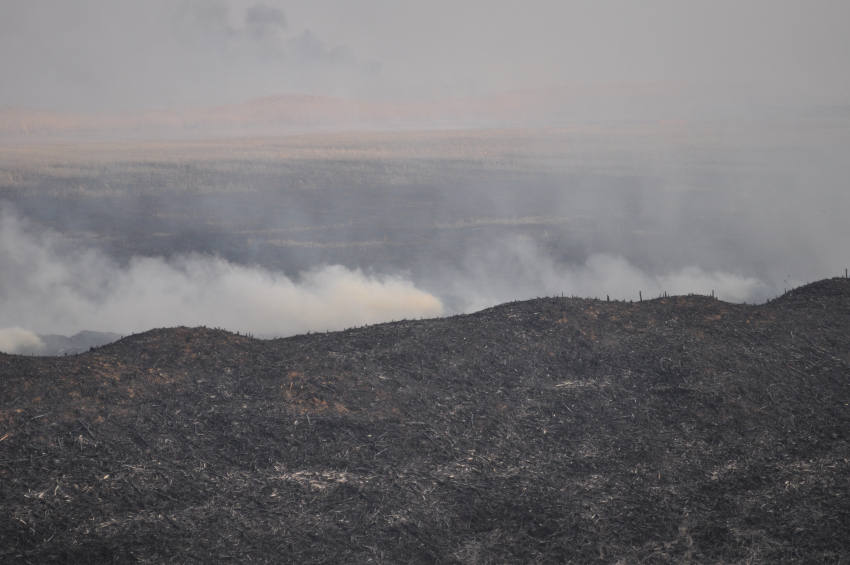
(262, 15)
(517, 269)
(19, 340)
(49, 287)
(308, 48)
(97, 54)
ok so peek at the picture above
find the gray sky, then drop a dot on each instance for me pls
(118, 54)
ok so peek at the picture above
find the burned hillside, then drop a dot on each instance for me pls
(554, 430)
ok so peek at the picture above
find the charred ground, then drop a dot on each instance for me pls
(552, 430)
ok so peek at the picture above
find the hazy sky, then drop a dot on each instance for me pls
(117, 54)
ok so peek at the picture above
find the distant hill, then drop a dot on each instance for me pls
(674, 430)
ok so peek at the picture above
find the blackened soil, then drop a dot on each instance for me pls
(553, 430)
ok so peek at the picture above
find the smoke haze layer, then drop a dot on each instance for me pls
(291, 233)
(518, 269)
(103, 55)
(51, 289)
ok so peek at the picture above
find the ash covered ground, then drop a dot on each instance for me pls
(674, 430)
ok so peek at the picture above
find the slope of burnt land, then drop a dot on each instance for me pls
(552, 430)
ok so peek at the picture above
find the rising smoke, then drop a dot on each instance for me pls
(47, 286)
(671, 149)
(19, 340)
(517, 269)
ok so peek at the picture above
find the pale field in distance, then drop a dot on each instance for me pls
(609, 149)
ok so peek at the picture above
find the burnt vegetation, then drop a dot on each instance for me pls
(554, 430)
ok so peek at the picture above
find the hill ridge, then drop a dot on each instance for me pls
(677, 429)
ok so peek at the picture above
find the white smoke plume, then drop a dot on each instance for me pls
(19, 340)
(519, 269)
(46, 289)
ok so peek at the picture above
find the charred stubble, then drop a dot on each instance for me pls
(680, 429)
